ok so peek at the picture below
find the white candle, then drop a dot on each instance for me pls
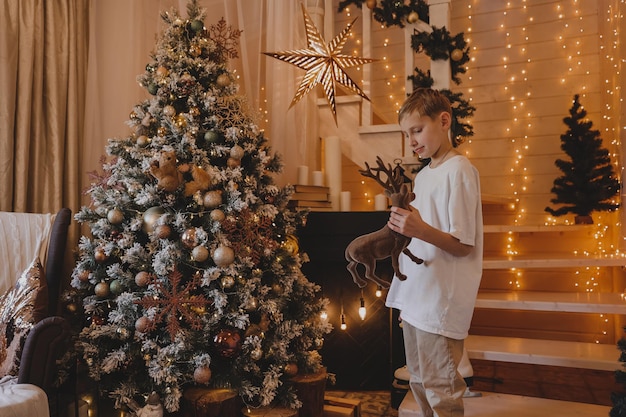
(332, 166)
(380, 202)
(303, 175)
(318, 178)
(345, 201)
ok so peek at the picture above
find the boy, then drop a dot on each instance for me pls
(436, 301)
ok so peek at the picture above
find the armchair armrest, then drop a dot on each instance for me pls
(47, 341)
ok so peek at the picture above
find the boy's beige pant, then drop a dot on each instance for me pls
(432, 361)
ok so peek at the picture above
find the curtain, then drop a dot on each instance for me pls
(43, 47)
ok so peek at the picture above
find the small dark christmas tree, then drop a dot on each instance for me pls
(192, 274)
(588, 183)
(619, 398)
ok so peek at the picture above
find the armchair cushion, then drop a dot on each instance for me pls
(20, 308)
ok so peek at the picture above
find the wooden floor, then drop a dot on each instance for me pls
(499, 405)
(377, 404)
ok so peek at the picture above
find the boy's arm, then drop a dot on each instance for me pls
(409, 223)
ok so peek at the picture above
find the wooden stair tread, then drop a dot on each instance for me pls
(491, 404)
(575, 302)
(505, 228)
(551, 260)
(544, 352)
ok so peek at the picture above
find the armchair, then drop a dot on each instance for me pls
(27, 236)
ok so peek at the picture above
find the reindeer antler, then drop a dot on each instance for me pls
(394, 176)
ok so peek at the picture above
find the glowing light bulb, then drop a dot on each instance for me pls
(362, 310)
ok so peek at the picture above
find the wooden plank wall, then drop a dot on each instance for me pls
(528, 59)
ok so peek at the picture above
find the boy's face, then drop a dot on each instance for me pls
(426, 135)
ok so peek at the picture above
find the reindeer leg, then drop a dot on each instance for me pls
(370, 273)
(414, 258)
(352, 268)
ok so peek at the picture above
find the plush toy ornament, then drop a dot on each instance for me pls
(166, 172)
(384, 243)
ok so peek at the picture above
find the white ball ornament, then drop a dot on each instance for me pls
(202, 375)
(223, 256)
(236, 152)
(212, 199)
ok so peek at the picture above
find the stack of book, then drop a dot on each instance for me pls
(313, 197)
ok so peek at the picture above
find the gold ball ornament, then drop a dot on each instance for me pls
(115, 216)
(150, 217)
(227, 282)
(189, 238)
(163, 231)
(202, 375)
(370, 4)
(256, 354)
(456, 54)
(291, 369)
(83, 275)
(102, 289)
(223, 256)
(142, 278)
(169, 110)
(236, 152)
(291, 245)
(195, 51)
(217, 215)
(162, 71)
(100, 255)
(142, 324)
(212, 199)
(223, 80)
(200, 254)
(413, 17)
(162, 131)
(143, 141)
(233, 162)
(180, 121)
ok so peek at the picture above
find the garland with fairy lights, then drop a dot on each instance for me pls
(438, 45)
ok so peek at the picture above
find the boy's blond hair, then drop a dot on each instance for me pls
(425, 102)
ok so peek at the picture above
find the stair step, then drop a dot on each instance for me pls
(544, 352)
(573, 302)
(491, 405)
(547, 260)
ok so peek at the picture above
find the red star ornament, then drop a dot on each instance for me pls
(324, 63)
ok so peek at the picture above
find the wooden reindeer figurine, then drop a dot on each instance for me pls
(383, 243)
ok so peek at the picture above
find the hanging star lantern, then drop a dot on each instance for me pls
(324, 63)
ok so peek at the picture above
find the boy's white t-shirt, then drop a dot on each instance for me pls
(439, 295)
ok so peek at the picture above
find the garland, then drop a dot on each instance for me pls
(438, 45)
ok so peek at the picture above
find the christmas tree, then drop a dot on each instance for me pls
(192, 274)
(588, 182)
